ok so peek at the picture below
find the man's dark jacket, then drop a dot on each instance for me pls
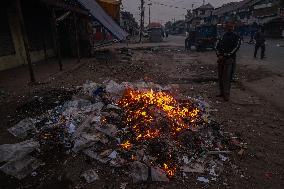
(228, 45)
(259, 38)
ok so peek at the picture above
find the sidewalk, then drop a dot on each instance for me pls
(16, 79)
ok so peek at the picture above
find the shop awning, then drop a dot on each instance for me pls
(98, 13)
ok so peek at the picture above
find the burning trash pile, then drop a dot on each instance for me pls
(148, 131)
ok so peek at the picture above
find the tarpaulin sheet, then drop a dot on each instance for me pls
(101, 16)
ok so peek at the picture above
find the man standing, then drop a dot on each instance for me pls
(259, 43)
(226, 49)
(191, 39)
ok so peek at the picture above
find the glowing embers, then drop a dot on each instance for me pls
(150, 114)
(126, 145)
(169, 170)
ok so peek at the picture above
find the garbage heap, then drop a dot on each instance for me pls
(149, 132)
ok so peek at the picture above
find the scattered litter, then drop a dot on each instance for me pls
(21, 168)
(11, 152)
(139, 172)
(71, 128)
(114, 88)
(111, 106)
(22, 128)
(241, 152)
(109, 129)
(88, 139)
(148, 129)
(113, 155)
(90, 88)
(90, 176)
(92, 154)
(158, 175)
(185, 160)
(203, 179)
(123, 185)
(223, 158)
(193, 168)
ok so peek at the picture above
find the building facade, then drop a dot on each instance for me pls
(35, 30)
(248, 15)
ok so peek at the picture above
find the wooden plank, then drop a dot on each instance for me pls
(25, 39)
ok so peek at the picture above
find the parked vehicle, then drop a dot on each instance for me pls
(156, 33)
(205, 37)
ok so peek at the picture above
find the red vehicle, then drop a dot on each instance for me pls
(155, 32)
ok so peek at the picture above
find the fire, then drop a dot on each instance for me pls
(144, 108)
(156, 114)
(126, 145)
(169, 171)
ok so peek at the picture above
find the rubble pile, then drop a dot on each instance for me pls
(149, 132)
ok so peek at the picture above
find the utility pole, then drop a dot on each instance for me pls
(203, 2)
(150, 4)
(142, 20)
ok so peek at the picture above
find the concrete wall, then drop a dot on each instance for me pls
(19, 58)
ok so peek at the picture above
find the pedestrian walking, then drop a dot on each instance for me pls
(186, 40)
(259, 44)
(226, 49)
(167, 34)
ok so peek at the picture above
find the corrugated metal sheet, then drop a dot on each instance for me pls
(101, 16)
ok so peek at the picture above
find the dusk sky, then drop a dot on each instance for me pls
(164, 13)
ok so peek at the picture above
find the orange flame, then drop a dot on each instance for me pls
(169, 171)
(143, 107)
(126, 145)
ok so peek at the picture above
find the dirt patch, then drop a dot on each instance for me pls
(251, 117)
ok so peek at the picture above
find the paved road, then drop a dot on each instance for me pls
(270, 86)
(275, 53)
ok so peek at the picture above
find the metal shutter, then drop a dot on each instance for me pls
(6, 40)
